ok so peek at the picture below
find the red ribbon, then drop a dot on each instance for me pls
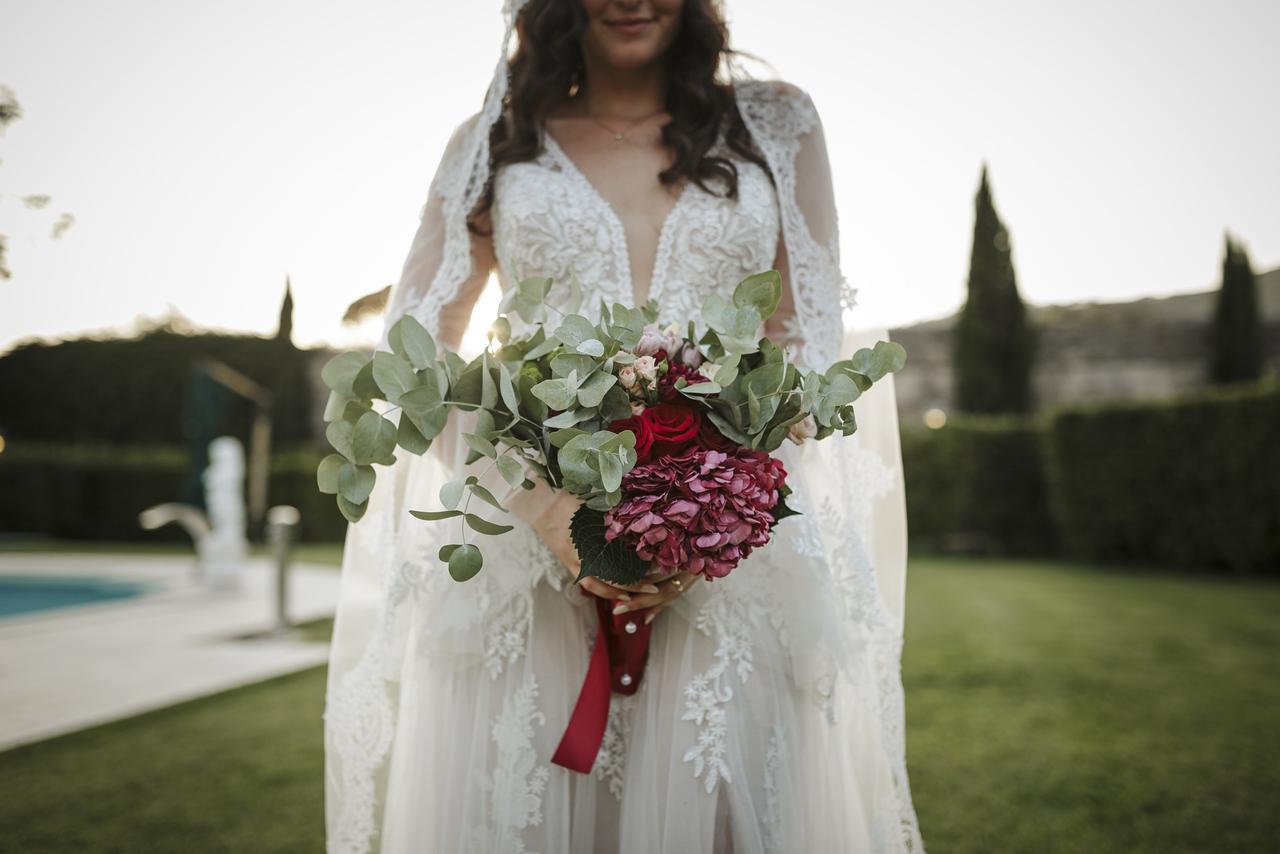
(617, 663)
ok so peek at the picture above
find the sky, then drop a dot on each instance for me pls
(209, 150)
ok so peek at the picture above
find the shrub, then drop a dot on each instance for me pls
(1190, 482)
(977, 485)
(96, 492)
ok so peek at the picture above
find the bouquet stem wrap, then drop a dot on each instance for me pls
(617, 663)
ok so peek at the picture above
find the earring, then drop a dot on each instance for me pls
(575, 84)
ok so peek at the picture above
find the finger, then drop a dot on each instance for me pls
(594, 585)
(644, 600)
(655, 611)
(639, 586)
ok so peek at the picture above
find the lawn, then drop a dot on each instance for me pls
(1051, 708)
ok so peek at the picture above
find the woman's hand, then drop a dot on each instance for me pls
(549, 515)
(668, 588)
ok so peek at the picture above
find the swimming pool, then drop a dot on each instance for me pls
(23, 594)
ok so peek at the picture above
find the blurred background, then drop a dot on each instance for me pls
(195, 198)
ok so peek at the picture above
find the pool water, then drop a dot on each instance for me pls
(22, 594)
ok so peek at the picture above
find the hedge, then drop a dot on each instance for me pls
(977, 486)
(139, 390)
(1191, 482)
(96, 492)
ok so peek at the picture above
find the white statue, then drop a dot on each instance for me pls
(222, 552)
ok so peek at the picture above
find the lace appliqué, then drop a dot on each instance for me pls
(733, 614)
(610, 766)
(772, 819)
(518, 781)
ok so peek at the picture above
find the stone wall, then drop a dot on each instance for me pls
(1145, 349)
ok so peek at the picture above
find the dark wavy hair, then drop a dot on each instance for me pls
(548, 61)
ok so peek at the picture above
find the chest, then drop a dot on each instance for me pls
(624, 236)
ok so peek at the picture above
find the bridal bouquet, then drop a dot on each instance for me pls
(665, 435)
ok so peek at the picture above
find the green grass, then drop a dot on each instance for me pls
(1051, 708)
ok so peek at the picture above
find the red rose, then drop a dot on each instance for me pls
(712, 439)
(644, 434)
(674, 427)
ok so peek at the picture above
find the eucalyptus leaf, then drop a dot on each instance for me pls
(480, 445)
(511, 470)
(393, 374)
(327, 473)
(464, 562)
(352, 512)
(339, 373)
(355, 483)
(451, 493)
(485, 495)
(373, 440)
(481, 525)
(410, 437)
(434, 515)
(416, 343)
(339, 435)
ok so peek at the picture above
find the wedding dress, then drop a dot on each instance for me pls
(770, 715)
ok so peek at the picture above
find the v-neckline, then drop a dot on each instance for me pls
(620, 230)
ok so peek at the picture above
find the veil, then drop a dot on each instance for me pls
(851, 487)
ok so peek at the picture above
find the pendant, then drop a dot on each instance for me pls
(618, 137)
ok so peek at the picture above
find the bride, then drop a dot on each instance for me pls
(621, 145)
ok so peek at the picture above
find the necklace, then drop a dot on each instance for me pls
(619, 135)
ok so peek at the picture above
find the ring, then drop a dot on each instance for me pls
(677, 584)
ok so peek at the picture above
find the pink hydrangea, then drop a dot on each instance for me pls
(700, 511)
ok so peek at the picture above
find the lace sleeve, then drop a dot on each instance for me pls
(786, 127)
(447, 265)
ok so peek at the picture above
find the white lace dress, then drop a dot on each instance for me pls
(769, 718)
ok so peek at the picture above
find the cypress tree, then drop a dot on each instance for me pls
(1235, 336)
(994, 346)
(284, 331)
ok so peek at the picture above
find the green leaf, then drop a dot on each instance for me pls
(782, 510)
(763, 291)
(464, 562)
(703, 388)
(447, 550)
(352, 512)
(355, 483)
(485, 495)
(365, 385)
(610, 561)
(409, 437)
(373, 440)
(568, 418)
(488, 390)
(591, 347)
(560, 437)
(481, 525)
(393, 374)
(593, 390)
(573, 330)
(610, 471)
(508, 389)
(480, 445)
(433, 515)
(339, 373)
(327, 473)
(557, 393)
(501, 329)
(511, 470)
(410, 339)
(451, 493)
(339, 435)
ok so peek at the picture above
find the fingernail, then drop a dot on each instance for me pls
(625, 597)
(620, 609)
(649, 618)
(649, 588)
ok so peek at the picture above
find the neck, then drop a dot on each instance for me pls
(632, 93)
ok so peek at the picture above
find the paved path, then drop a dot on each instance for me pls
(69, 668)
